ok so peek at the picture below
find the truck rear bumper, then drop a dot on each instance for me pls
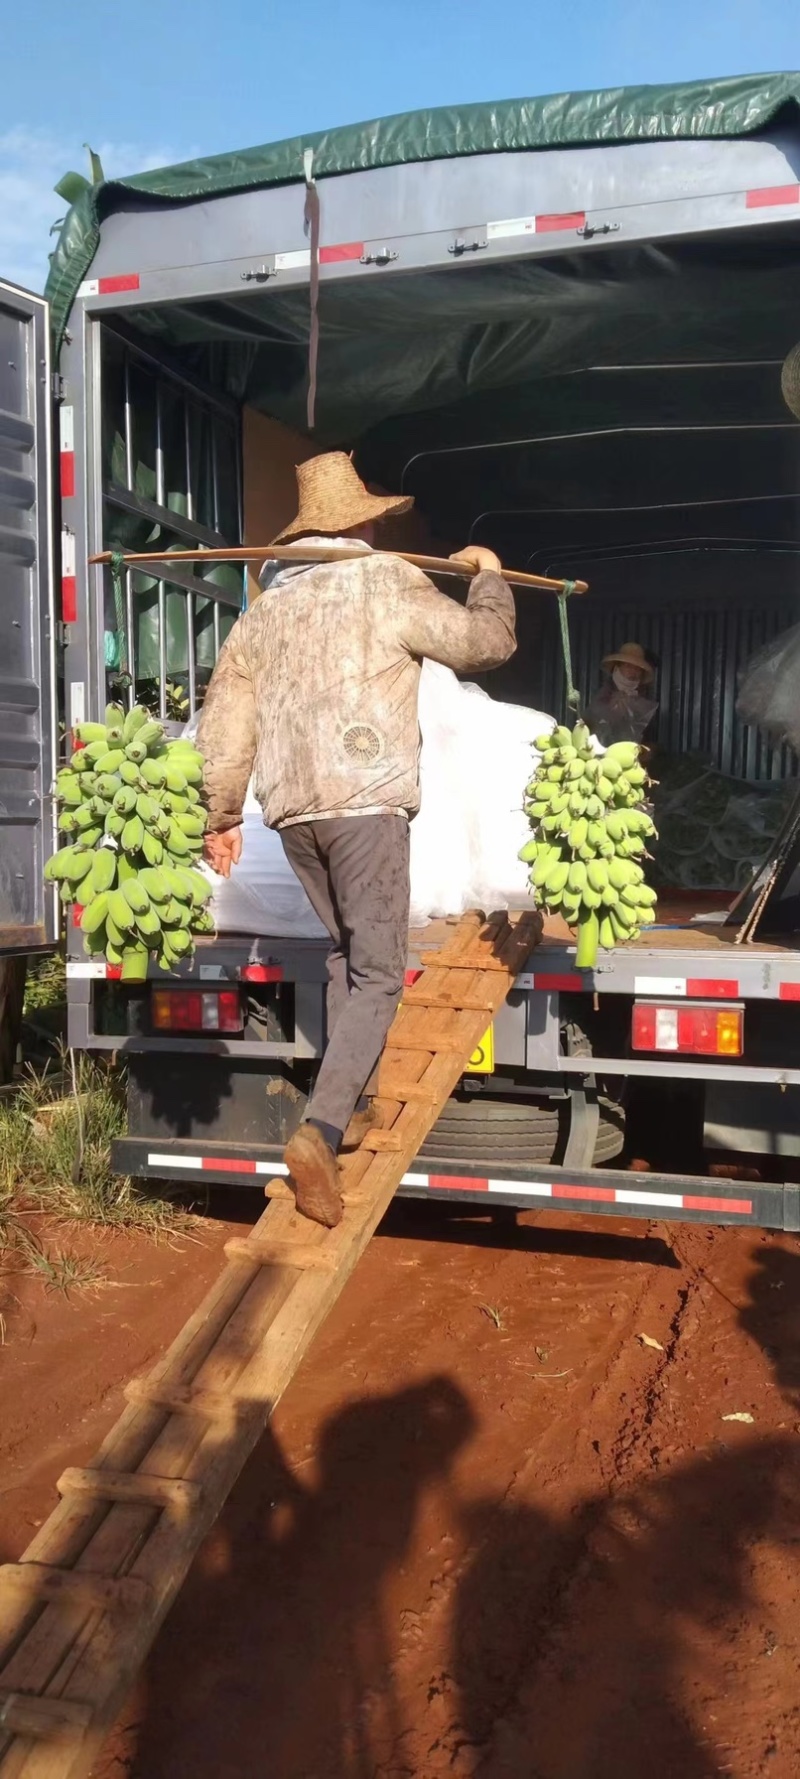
(605, 1191)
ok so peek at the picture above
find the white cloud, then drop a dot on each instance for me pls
(31, 163)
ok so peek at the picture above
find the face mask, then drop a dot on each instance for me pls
(625, 680)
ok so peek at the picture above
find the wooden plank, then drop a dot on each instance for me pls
(121, 1485)
(44, 1581)
(28, 1715)
(183, 1399)
(381, 1142)
(246, 1342)
(300, 1256)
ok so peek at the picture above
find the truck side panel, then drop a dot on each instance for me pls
(28, 906)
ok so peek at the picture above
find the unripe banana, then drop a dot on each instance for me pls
(607, 936)
(609, 896)
(609, 766)
(574, 770)
(544, 863)
(133, 834)
(129, 773)
(150, 733)
(93, 917)
(595, 808)
(596, 834)
(80, 762)
(620, 873)
(592, 898)
(588, 938)
(577, 876)
(125, 800)
(557, 876)
(529, 851)
(104, 869)
(561, 737)
(542, 742)
(156, 884)
(625, 753)
(120, 911)
(134, 721)
(149, 924)
(114, 823)
(605, 788)
(114, 936)
(624, 914)
(577, 804)
(147, 809)
(176, 780)
(136, 895)
(578, 833)
(154, 772)
(597, 874)
(88, 732)
(111, 760)
(152, 849)
(616, 827)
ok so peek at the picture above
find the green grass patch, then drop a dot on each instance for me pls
(55, 1141)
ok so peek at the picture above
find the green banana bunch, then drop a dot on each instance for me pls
(130, 810)
(589, 833)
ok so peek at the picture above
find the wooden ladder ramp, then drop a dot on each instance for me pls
(81, 1609)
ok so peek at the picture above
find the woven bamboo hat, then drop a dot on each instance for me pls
(630, 655)
(331, 498)
(790, 381)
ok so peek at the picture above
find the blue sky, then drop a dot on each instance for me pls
(160, 82)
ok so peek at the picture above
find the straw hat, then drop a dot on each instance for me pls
(790, 381)
(630, 655)
(331, 498)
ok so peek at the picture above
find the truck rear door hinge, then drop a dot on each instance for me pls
(460, 246)
(383, 257)
(258, 274)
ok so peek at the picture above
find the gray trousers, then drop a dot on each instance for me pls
(355, 872)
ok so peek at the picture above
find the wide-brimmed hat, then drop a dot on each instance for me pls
(630, 655)
(331, 498)
(790, 381)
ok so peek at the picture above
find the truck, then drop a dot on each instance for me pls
(560, 325)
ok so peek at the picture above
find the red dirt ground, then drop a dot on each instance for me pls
(532, 1550)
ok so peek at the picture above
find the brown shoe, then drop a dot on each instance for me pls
(360, 1123)
(314, 1176)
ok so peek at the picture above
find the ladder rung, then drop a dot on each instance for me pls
(455, 1003)
(187, 1399)
(278, 1189)
(121, 1485)
(410, 1093)
(26, 1714)
(76, 1587)
(381, 1142)
(300, 1255)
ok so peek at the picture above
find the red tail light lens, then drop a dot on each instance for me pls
(196, 1010)
(695, 1030)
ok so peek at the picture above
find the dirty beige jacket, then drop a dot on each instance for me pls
(315, 691)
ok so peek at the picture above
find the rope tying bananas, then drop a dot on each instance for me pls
(590, 833)
(131, 814)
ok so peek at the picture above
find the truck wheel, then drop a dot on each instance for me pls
(491, 1132)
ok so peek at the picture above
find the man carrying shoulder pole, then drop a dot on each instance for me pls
(315, 695)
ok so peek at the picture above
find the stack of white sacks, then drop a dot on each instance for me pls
(477, 758)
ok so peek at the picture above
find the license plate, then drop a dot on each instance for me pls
(481, 1061)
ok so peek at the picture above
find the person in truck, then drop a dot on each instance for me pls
(315, 695)
(619, 710)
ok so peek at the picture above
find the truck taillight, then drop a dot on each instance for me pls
(196, 1010)
(696, 1030)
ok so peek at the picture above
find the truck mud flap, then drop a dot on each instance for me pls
(605, 1191)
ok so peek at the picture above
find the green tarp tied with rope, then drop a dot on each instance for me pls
(737, 106)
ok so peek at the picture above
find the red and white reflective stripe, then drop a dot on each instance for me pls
(220, 1164)
(789, 991)
(553, 1190)
(66, 429)
(340, 252)
(767, 197)
(708, 988)
(547, 224)
(569, 982)
(109, 286)
(556, 1190)
(69, 581)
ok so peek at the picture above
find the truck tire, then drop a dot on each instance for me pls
(491, 1132)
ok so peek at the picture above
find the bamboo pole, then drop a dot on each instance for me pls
(332, 553)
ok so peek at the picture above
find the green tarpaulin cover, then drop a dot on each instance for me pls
(736, 106)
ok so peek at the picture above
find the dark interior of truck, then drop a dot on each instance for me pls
(614, 416)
